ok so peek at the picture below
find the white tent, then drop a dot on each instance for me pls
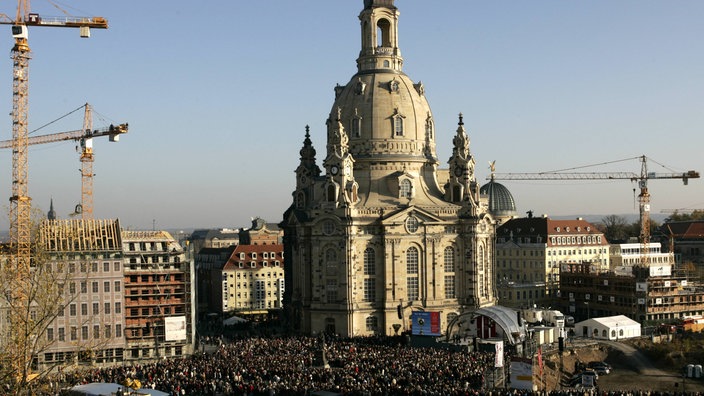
(233, 320)
(608, 328)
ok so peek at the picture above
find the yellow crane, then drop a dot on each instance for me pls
(85, 138)
(641, 178)
(20, 202)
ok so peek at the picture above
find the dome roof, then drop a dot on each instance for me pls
(501, 202)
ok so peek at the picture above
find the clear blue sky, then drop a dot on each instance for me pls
(218, 93)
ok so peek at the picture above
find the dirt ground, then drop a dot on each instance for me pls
(627, 374)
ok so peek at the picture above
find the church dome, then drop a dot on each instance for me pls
(385, 114)
(501, 202)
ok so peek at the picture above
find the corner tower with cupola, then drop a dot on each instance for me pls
(384, 232)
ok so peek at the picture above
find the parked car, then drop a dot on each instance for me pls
(600, 367)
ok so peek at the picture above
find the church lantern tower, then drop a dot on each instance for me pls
(379, 231)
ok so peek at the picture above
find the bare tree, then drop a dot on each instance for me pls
(615, 228)
(26, 323)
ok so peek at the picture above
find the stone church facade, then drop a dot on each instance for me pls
(379, 231)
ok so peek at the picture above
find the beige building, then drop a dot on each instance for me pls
(252, 280)
(380, 231)
(530, 252)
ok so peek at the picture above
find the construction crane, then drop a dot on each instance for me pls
(20, 202)
(85, 137)
(641, 178)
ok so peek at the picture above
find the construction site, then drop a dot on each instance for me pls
(81, 290)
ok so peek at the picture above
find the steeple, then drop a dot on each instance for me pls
(52, 213)
(379, 37)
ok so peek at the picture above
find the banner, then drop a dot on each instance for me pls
(499, 354)
(175, 327)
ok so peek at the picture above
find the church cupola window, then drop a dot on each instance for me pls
(300, 200)
(398, 123)
(405, 189)
(328, 227)
(356, 125)
(383, 34)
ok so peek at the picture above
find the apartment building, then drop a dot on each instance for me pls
(252, 280)
(531, 250)
(85, 258)
(159, 305)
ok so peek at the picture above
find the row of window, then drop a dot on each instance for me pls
(265, 255)
(95, 287)
(85, 333)
(574, 240)
(73, 309)
(94, 266)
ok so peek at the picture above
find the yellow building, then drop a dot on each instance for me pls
(253, 280)
(530, 252)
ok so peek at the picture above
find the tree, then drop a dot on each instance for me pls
(697, 214)
(29, 307)
(615, 228)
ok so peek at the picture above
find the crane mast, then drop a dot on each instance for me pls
(85, 137)
(641, 179)
(20, 202)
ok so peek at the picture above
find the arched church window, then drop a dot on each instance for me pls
(429, 128)
(398, 125)
(412, 260)
(405, 188)
(356, 125)
(412, 273)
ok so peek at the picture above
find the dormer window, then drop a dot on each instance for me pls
(242, 256)
(405, 189)
(266, 255)
(254, 255)
(397, 123)
(356, 126)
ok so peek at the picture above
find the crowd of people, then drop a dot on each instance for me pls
(298, 366)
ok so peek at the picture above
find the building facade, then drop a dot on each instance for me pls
(252, 280)
(380, 231)
(531, 250)
(159, 305)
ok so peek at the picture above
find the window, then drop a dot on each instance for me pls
(72, 310)
(107, 308)
(95, 287)
(72, 288)
(50, 334)
(96, 308)
(84, 332)
(450, 286)
(372, 323)
(84, 309)
(62, 334)
(118, 330)
(412, 224)
(331, 290)
(118, 307)
(412, 287)
(398, 125)
(369, 289)
(412, 260)
(74, 334)
(116, 266)
(356, 127)
(106, 267)
(108, 331)
(94, 267)
(84, 287)
(369, 262)
(106, 286)
(449, 258)
(405, 188)
(96, 331)
(117, 286)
